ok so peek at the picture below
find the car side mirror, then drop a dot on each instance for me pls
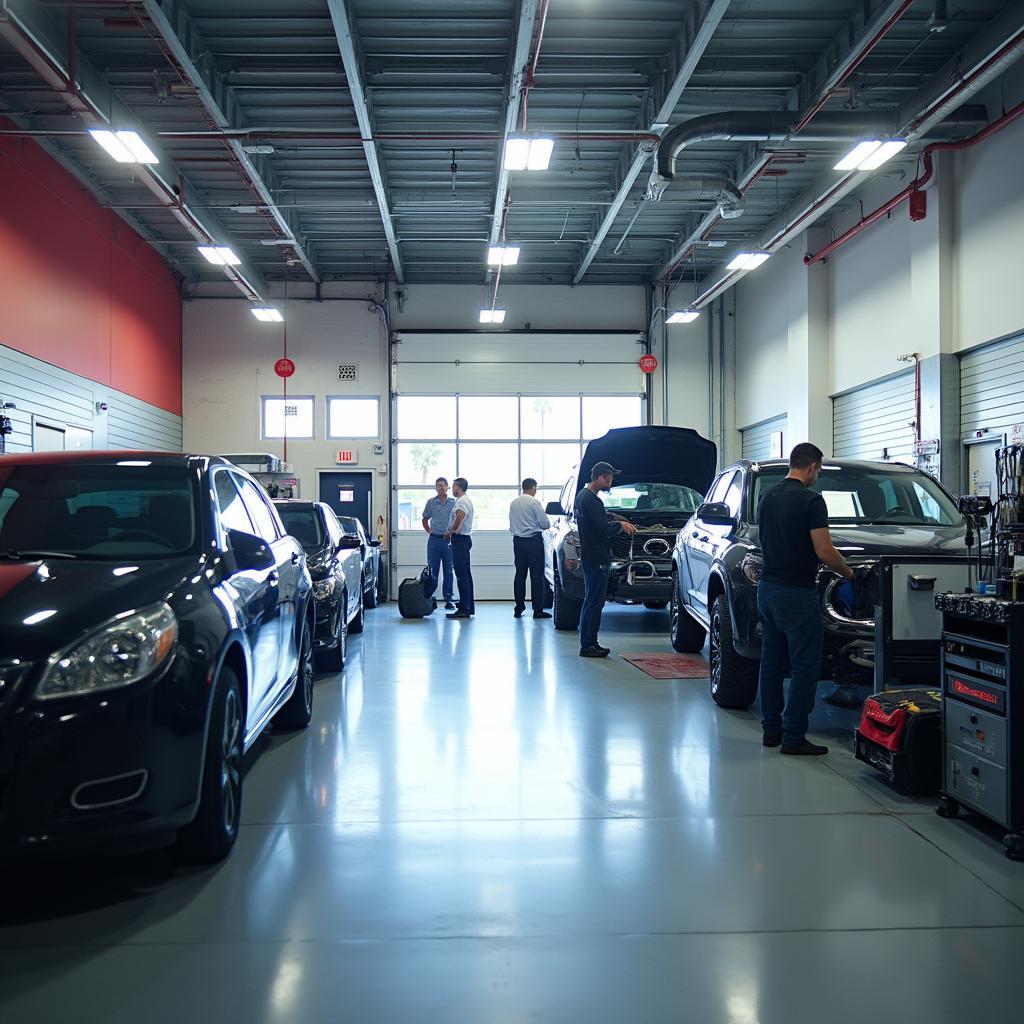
(374, 543)
(716, 513)
(349, 543)
(251, 553)
(553, 508)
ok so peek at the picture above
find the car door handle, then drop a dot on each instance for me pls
(296, 558)
(274, 577)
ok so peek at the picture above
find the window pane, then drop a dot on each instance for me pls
(232, 512)
(545, 417)
(294, 415)
(423, 462)
(410, 506)
(547, 494)
(353, 417)
(550, 464)
(419, 416)
(490, 507)
(489, 417)
(259, 509)
(489, 464)
(602, 413)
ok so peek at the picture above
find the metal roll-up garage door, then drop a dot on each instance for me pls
(876, 421)
(757, 439)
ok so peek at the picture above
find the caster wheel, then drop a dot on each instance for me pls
(948, 808)
(1014, 844)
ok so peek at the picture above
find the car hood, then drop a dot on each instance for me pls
(858, 542)
(80, 595)
(659, 455)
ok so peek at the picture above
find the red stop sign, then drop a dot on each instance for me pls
(284, 367)
(648, 364)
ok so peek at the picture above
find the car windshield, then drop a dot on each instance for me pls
(874, 495)
(133, 509)
(640, 497)
(305, 525)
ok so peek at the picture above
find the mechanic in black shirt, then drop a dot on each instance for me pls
(792, 522)
(596, 528)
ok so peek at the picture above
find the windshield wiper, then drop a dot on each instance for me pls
(30, 556)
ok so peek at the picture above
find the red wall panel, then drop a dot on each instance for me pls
(78, 287)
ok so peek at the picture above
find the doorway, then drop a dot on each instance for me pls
(349, 493)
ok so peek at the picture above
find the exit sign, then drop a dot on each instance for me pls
(347, 457)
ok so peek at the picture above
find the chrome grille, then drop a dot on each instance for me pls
(646, 545)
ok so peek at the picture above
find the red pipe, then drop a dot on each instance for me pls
(918, 183)
(531, 72)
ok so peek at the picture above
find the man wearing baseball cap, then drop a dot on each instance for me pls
(596, 528)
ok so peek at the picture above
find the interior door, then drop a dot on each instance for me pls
(349, 493)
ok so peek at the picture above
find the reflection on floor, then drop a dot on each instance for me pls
(480, 826)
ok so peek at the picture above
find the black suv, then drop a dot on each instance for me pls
(155, 618)
(874, 508)
(665, 470)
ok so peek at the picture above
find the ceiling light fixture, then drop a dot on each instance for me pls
(870, 154)
(492, 316)
(267, 314)
(503, 255)
(748, 260)
(126, 147)
(683, 316)
(219, 255)
(528, 153)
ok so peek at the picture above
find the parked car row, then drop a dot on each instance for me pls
(158, 611)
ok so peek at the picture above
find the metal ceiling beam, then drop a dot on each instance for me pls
(690, 45)
(42, 42)
(340, 19)
(181, 39)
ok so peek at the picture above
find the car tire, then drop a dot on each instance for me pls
(370, 595)
(356, 625)
(656, 606)
(211, 834)
(686, 633)
(565, 610)
(549, 596)
(733, 677)
(298, 711)
(333, 659)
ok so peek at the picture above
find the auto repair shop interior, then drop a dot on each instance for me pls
(270, 270)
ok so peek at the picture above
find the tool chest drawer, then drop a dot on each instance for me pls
(978, 732)
(976, 782)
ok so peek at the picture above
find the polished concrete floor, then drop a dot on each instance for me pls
(480, 827)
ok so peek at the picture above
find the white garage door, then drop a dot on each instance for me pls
(757, 439)
(495, 408)
(992, 388)
(876, 421)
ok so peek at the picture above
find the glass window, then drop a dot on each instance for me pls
(489, 417)
(304, 525)
(425, 416)
(652, 497)
(549, 464)
(423, 462)
(353, 417)
(734, 494)
(410, 506)
(260, 510)
(334, 529)
(290, 417)
(232, 512)
(489, 464)
(544, 417)
(602, 413)
(720, 487)
(490, 507)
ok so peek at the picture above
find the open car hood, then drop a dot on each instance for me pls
(657, 455)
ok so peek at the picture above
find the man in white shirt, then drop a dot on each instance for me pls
(527, 522)
(460, 535)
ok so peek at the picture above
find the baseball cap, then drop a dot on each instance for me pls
(601, 468)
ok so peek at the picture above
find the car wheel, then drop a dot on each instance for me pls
(356, 625)
(565, 611)
(333, 659)
(549, 596)
(211, 834)
(686, 633)
(298, 711)
(370, 595)
(656, 606)
(733, 677)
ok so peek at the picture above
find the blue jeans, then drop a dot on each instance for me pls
(462, 544)
(595, 580)
(439, 553)
(790, 625)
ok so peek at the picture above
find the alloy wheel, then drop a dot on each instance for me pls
(674, 610)
(716, 651)
(231, 762)
(307, 671)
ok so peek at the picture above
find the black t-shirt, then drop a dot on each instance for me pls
(595, 528)
(785, 518)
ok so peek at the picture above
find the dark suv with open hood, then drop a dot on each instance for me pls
(875, 509)
(665, 471)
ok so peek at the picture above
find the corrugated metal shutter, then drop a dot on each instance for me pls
(992, 387)
(757, 439)
(876, 421)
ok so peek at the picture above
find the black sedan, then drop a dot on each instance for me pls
(874, 508)
(155, 618)
(336, 568)
(369, 551)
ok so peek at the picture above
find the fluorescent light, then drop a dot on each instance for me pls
(886, 151)
(503, 255)
(492, 316)
(219, 255)
(517, 152)
(858, 155)
(717, 243)
(748, 260)
(124, 146)
(540, 154)
(526, 153)
(683, 316)
(267, 314)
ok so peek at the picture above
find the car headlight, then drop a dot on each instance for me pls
(752, 566)
(322, 589)
(122, 652)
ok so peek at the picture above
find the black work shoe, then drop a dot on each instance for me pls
(542, 615)
(458, 615)
(805, 747)
(607, 650)
(771, 739)
(518, 613)
(594, 652)
(449, 606)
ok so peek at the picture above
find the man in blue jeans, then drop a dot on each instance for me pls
(792, 522)
(437, 518)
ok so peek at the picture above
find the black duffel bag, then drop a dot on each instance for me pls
(413, 602)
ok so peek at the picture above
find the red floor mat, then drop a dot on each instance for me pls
(670, 666)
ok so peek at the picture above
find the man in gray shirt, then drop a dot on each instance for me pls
(527, 522)
(437, 518)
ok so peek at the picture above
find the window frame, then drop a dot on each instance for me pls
(349, 437)
(264, 436)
